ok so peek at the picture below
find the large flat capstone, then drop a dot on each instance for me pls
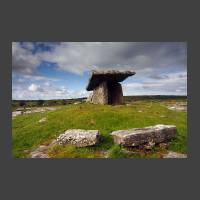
(98, 77)
(78, 137)
(139, 136)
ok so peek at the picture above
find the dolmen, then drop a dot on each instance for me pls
(139, 136)
(106, 87)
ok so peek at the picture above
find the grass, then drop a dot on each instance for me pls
(27, 133)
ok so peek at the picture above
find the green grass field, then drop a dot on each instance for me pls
(27, 133)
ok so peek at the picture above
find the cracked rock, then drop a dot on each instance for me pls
(78, 137)
(139, 136)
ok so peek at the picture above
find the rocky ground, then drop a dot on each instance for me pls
(33, 131)
(21, 111)
(179, 106)
(42, 152)
(85, 138)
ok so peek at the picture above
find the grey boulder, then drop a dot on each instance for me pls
(139, 136)
(78, 137)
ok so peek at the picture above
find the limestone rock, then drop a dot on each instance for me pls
(172, 154)
(106, 87)
(20, 109)
(44, 119)
(89, 99)
(77, 102)
(40, 152)
(100, 94)
(16, 113)
(78, 137)
(138, 136)
(98, 77)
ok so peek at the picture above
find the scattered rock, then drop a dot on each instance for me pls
(77, 102)
(172, 154)
(16, 113)
(40, 152)
(137, 136)
(20, 109)
(178, 107)
(44, 119)
(33, 110)
(78, 137)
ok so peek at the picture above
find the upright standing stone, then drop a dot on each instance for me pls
(100, 94)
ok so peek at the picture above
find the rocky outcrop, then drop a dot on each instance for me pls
(142, 136)
(78, 137)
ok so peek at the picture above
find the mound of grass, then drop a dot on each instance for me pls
(28, 133)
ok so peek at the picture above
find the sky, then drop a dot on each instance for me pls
(61, 70)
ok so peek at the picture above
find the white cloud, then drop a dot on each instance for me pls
(77, 57)
(173, 84)
(161, 67)
(33, 87)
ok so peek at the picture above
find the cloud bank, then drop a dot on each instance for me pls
(161, 67)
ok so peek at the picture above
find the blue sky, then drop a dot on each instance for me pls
(60, 70)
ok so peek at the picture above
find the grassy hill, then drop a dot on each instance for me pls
(28, 133)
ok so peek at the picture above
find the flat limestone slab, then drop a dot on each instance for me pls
(138, 136)
(98, 77)
(78, 137)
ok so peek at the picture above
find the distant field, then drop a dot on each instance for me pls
(57, 102)
(27, 133)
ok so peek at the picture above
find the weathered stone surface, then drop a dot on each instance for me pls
(40, 152)
(20, 109)
(100, 94)
(89, 99)
(139, 136)
(107, 93)
(115, 94)
(105, 86)
(98, 77)
(78, 137)
(172, 154)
